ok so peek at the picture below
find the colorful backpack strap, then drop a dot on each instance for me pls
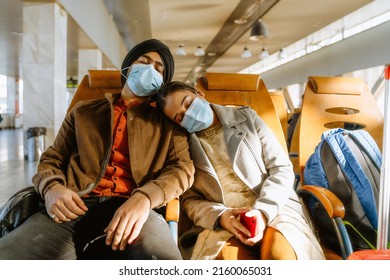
(351, 167)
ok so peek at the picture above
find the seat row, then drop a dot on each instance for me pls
(328, 102)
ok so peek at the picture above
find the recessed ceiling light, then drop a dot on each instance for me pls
(198, 69)
(240, 21)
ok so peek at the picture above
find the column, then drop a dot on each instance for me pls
(89, 59)
(44, 67)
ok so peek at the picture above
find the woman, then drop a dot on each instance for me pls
(240, 168)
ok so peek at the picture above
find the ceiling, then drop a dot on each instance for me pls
(209, 23)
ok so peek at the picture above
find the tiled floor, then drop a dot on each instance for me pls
(15, 171)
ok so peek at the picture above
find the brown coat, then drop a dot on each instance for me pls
(159, 156)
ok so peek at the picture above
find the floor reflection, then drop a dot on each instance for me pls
(15, 171)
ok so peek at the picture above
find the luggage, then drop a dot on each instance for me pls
(370, 255)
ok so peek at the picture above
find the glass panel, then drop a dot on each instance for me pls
(3, 94)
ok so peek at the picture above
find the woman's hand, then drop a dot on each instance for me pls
(229, 220)
(261, 223)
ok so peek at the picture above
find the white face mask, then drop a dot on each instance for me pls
(143, 79)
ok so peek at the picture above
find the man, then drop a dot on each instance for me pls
(112, 162)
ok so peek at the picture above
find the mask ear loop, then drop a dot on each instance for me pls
(128, 67)
(199, 92)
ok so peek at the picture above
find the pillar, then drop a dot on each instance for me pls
(89, 59)
(44, 67)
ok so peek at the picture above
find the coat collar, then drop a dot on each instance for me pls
(227, 116)
(112, 97)
(230, 118)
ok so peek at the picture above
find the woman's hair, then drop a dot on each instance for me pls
(167, 89)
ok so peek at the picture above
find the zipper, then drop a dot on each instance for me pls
(91, 186)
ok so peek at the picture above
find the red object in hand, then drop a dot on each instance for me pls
(249, 220)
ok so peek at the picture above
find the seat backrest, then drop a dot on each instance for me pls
(95, 84)
(242, 90)
(331, 102)
(279, 101)
(289, 101)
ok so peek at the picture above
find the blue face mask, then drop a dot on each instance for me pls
(143, 79)
(199, 116)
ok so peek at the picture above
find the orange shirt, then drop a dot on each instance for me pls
(118, 180)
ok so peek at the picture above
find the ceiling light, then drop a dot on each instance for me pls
(181, 51)
(282, 54)
(240, 21)
(264, 53)
(198, 69)
(259, 30)
(246, 53)
(199, 51)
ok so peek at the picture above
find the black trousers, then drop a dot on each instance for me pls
(41, 238)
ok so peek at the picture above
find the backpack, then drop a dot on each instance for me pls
(347, 163)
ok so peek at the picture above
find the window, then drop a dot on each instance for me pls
(3, 94)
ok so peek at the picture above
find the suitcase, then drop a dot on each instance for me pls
(370, 255)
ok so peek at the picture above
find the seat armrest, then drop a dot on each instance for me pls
(333, 206)
(335, 210)
(172, 210)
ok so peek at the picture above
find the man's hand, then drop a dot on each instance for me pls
(63, 204)
(127, 222)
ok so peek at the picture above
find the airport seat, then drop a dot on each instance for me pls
(292, 144)
(93, 86)
(243, 89)
(292, 119)
(281, 108)
(331, 102)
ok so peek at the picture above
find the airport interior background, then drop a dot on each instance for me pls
(46, 47)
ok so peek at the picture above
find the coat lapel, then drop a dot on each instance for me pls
(243, 158)
(233, 136)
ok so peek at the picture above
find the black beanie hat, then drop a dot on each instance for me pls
(151, 45)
